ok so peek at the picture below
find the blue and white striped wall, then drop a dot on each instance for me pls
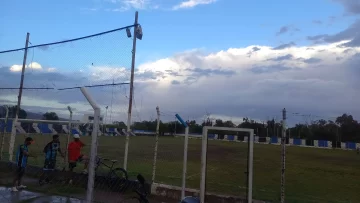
(325, 144)
(44, 128)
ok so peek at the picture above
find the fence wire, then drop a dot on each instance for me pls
(53, 74)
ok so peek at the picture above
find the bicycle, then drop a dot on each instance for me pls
(140, 191)
(142, 194)
(115, 178)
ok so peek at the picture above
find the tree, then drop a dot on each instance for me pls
(50, 116)
(120, 124)
(12, 112)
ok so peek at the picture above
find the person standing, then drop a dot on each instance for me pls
(75, 154)
(50, 151)
(22, 155)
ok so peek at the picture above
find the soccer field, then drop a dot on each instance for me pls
(312, 175)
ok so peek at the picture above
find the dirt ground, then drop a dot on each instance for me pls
(50, 193)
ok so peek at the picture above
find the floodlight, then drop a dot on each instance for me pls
(139, 32)
(69, 108)
(128, 32)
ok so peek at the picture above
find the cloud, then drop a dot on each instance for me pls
(287, 29)
(312, 60)
(33, 66)
(307, 79)
(175, 82)
(317, 22)
(351, 35)
(269, 69)
(192, 3)
(253, 50)
(284, 46)
(351, 6)
(282, 58)
(125, 5)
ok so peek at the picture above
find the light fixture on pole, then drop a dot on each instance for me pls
(139, 33)
(128, 32)
(104, 123)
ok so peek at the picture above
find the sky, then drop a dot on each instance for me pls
(227, 58)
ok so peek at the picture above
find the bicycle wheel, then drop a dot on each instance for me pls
(118, 180)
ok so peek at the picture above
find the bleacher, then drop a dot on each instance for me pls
(74, 131)
(58, 128)
(7, 127)
(44, 128)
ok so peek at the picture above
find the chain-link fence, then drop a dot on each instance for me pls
(54, 73)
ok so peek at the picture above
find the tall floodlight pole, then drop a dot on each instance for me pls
(283, 153)
(4, 132)
(104, 120)
(156, 143)
(68, 136)
(137, 34)
(13, 129)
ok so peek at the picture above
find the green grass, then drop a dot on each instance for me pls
(312, 175)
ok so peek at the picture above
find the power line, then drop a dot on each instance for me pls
(70, 40)
(111, 84)
(26, 88)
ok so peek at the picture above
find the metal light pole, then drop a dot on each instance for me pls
(283, 153)
(137, 34)
(13, 129)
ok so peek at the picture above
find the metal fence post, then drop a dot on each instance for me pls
(156, 144)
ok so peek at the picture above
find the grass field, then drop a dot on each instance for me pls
(312, 175)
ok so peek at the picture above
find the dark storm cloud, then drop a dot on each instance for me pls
(351, 6)
(282, 58)
(352, 33)
(284, 46)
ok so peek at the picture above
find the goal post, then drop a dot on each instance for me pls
(204, 158)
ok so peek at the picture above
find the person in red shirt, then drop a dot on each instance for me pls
(75, 155)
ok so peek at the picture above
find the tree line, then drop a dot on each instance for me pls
(344, 128)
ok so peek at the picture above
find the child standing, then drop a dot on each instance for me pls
(22, 155)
